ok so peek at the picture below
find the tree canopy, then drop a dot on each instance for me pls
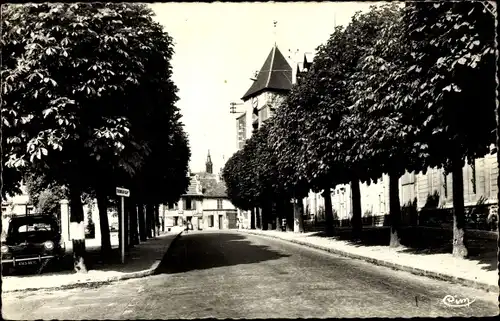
(101, 73)
(88, 101)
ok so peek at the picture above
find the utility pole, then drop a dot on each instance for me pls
(232, 107)
(122, 193)
(274, 31)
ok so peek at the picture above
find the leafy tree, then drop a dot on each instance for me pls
(322, 106)
(453, 82)
(163, 178)
(285, 139)
(44, 195)
(271, 191)
(231, 173)
(88, 66)
(11, 178)
(383, 137)
(250, 177)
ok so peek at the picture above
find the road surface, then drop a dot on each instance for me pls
(237, 275)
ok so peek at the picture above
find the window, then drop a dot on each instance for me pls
(263, 114)
(187, 204)
(172, 206)
(211, 221)
(445, 184)
(408, 178)
(219, 204)
(473, 179)
(34, 227)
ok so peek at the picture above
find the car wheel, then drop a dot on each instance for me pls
(7, 270)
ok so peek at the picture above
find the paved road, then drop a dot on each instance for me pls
(236, 275)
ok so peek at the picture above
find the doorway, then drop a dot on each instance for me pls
(221, 222)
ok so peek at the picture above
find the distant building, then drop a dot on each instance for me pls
(268, 90)
(205, 204)
(241, 130)
(17, 205)
(272, 83)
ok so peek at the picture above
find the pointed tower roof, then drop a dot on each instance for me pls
(208, 164)
(275, 74)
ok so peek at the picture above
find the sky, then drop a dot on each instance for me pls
(219, 46)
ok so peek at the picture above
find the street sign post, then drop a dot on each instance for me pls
(122, 192)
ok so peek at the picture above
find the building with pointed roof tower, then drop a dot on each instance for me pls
(273, 81)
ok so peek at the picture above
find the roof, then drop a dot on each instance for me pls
(212, 188)
(309, 57)
(308, 60)
(193, 187)
(208, 184)
(300, 66)
(275, 74)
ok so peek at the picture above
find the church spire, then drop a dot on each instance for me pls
(208, 164)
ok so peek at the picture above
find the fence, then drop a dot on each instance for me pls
(476, 218)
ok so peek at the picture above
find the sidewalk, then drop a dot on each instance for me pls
(141, 261)
(443, 266)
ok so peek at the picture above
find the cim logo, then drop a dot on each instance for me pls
(455, 302)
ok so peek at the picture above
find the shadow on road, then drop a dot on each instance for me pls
(200, 251)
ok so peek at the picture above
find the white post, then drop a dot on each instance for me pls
(296, 216)
(97, 221)
(123, 230)
(64, 220)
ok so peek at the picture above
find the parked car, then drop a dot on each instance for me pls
(30, 241)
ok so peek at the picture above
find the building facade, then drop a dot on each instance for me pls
(274, 81)
(205, 205)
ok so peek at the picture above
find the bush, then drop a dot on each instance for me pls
(409, 213)
(432, 200)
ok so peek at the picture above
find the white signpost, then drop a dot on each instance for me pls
(122, 192)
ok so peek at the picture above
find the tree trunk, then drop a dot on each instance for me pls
(328, 212)
(149, 214)
(459, 242)
(102, 205)
(394, 210)
(264, 217)
(152, 220)
(279, 214)
(148, 221)
(298, 226)
(497, 114)
(142, 222)
(258, 218)
(126, 228)
(134, 238)
(252, 219)
(156, 220)
(356, 221)
(289, 215)
(76, 219)
(129, 216)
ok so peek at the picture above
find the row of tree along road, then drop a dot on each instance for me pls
(401, 88)
(89, 105)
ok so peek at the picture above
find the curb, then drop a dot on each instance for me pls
(435, 275)
(103, 281)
